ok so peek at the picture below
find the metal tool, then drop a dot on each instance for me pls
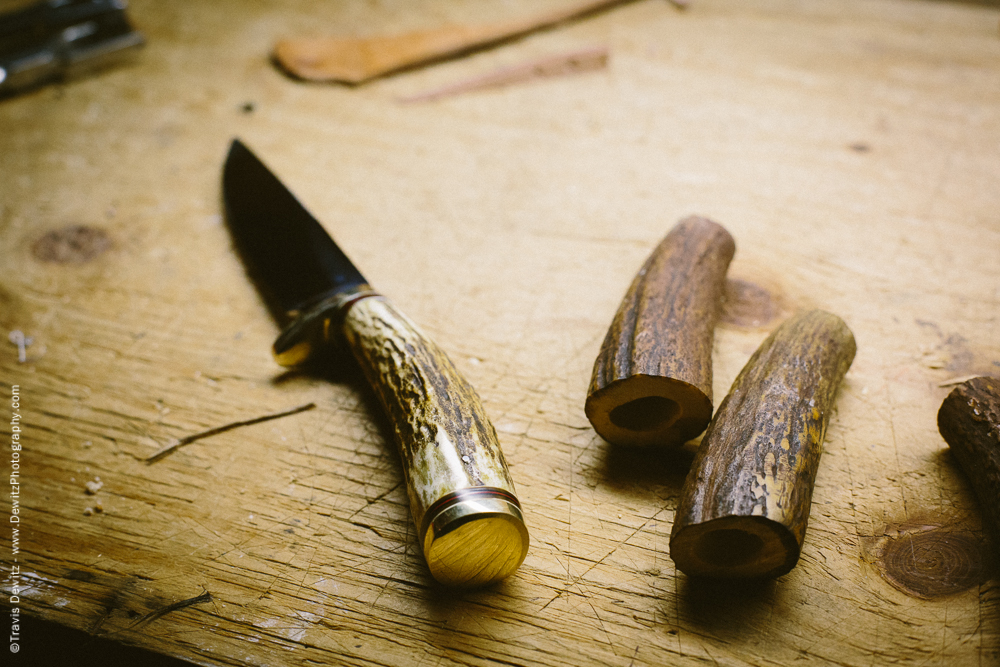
(461, 494)
(60, 38)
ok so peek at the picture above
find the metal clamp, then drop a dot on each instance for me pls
(62, 38)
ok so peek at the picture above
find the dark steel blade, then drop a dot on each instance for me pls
(288, 253)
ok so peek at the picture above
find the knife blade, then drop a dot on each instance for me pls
(462, 498)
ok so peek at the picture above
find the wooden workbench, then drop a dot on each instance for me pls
(852, 149)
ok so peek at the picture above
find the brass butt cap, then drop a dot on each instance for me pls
(474, 537)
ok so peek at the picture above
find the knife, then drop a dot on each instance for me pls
(462, 497)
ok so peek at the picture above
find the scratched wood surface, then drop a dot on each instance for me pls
(852, 149)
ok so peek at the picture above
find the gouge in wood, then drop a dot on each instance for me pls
(461, 494)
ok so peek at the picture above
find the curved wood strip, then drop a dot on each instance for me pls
(355, 60)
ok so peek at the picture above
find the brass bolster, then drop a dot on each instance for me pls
(313, 326)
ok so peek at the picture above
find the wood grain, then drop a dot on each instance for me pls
(745, 504)
(507, 224)
(652, 380)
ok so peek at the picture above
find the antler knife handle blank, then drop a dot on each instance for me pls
(652, 380)
(745, 503)
(461, 493)
(969, 421)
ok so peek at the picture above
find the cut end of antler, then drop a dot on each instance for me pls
(649, 410)
(744, 547)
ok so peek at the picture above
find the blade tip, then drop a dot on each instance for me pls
(238, 154)
(236, 146)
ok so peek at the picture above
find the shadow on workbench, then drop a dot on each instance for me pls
(43, 644)
(645, 471)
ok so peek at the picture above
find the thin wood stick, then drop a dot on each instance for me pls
(176, 444)
(954, 381)
(584, 60)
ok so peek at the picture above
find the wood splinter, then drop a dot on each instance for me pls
(174, 445)
(969, 421)
(745, 503)
(652, 381)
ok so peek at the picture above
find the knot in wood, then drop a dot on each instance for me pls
(932, 564)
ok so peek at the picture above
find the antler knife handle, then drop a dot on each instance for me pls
(461, 493)
(745, 503)
(652, 381)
